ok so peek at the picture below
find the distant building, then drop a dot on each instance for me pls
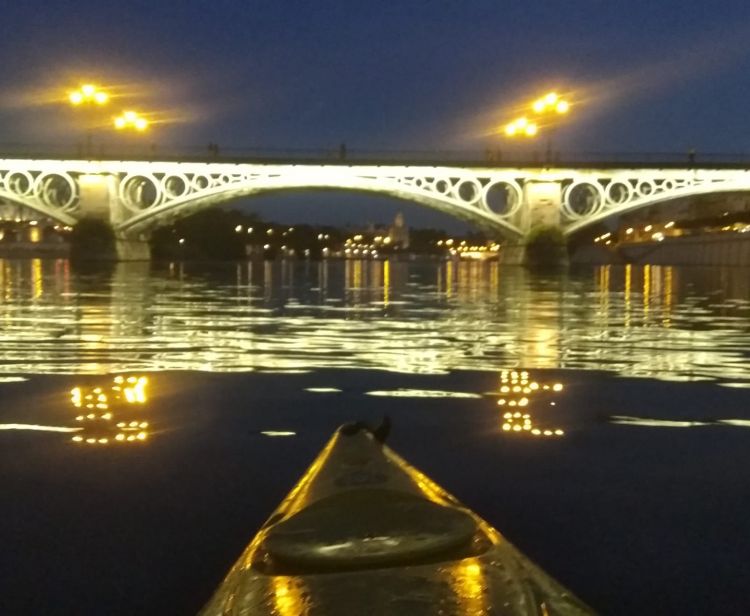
(399, 232)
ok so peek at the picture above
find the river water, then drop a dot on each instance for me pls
(151, 416)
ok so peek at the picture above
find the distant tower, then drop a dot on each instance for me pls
(399, 232)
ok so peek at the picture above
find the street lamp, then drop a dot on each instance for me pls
(131, 119)
(521, 127)
(550, 104)
(88, 95)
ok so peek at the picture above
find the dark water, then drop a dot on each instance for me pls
(621, 465)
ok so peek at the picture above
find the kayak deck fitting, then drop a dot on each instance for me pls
(365, 533)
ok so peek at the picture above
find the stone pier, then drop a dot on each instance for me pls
(98, 198)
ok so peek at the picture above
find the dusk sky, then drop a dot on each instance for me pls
(642, 76)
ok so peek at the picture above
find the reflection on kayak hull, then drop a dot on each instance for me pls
(364, 532)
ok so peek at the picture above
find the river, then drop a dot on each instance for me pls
(152, 415)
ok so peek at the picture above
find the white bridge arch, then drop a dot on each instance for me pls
(137, 196)
(153, 196)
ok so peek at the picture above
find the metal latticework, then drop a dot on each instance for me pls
(151, 194)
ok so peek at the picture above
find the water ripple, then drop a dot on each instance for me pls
(430, 318)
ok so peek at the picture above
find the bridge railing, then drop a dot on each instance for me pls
(343, 155)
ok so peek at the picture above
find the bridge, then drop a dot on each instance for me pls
(137, 196)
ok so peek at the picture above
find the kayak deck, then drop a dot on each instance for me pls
(363, 532)
(382, 528)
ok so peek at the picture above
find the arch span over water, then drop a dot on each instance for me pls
(137, 196)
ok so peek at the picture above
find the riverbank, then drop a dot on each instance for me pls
(32, 250)
(721, 250)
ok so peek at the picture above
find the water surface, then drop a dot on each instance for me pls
(152, 416)
(661, 322)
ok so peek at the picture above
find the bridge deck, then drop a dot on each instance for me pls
(613, 160)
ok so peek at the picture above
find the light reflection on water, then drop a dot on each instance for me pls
(111, 413)
(666, 322)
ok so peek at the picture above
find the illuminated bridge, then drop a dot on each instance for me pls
(139, 196)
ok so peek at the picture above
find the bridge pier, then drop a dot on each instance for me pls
(542, 205)
(99, 199)
(132, 249)
(540, 211)
(95, 192)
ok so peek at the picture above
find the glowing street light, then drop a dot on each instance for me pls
(88, 93)
(521, 127)
(551, 103)
(131, 119)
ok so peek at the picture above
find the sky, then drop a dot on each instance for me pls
(642, 76)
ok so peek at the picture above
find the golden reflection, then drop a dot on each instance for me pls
(604, 290)
(37, 280)
(289, 595)
(668, 290)
(106, 414)
(386, 281)
(357, 275)
(449, 279)
(7, 281)
(646, 291)
(467, 580)
(267, 280)
(89, 328)
(516, 391)
(422, 393)
(657, 423)
(628, 285)
(38, 428)
(494, 278)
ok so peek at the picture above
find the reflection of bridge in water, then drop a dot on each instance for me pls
(139, 196)
(385, 315)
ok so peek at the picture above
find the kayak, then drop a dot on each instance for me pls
(365, 533)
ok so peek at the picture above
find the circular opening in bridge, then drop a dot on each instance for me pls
(175, 185)
(19, 183)
(618, 193)
(583, 199)
(502, 198)
(442, 186)
(468, 191)
(201, 182)
(140, 192)
(56, 190)
(645, 188)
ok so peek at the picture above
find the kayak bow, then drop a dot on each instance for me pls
(364, 532)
